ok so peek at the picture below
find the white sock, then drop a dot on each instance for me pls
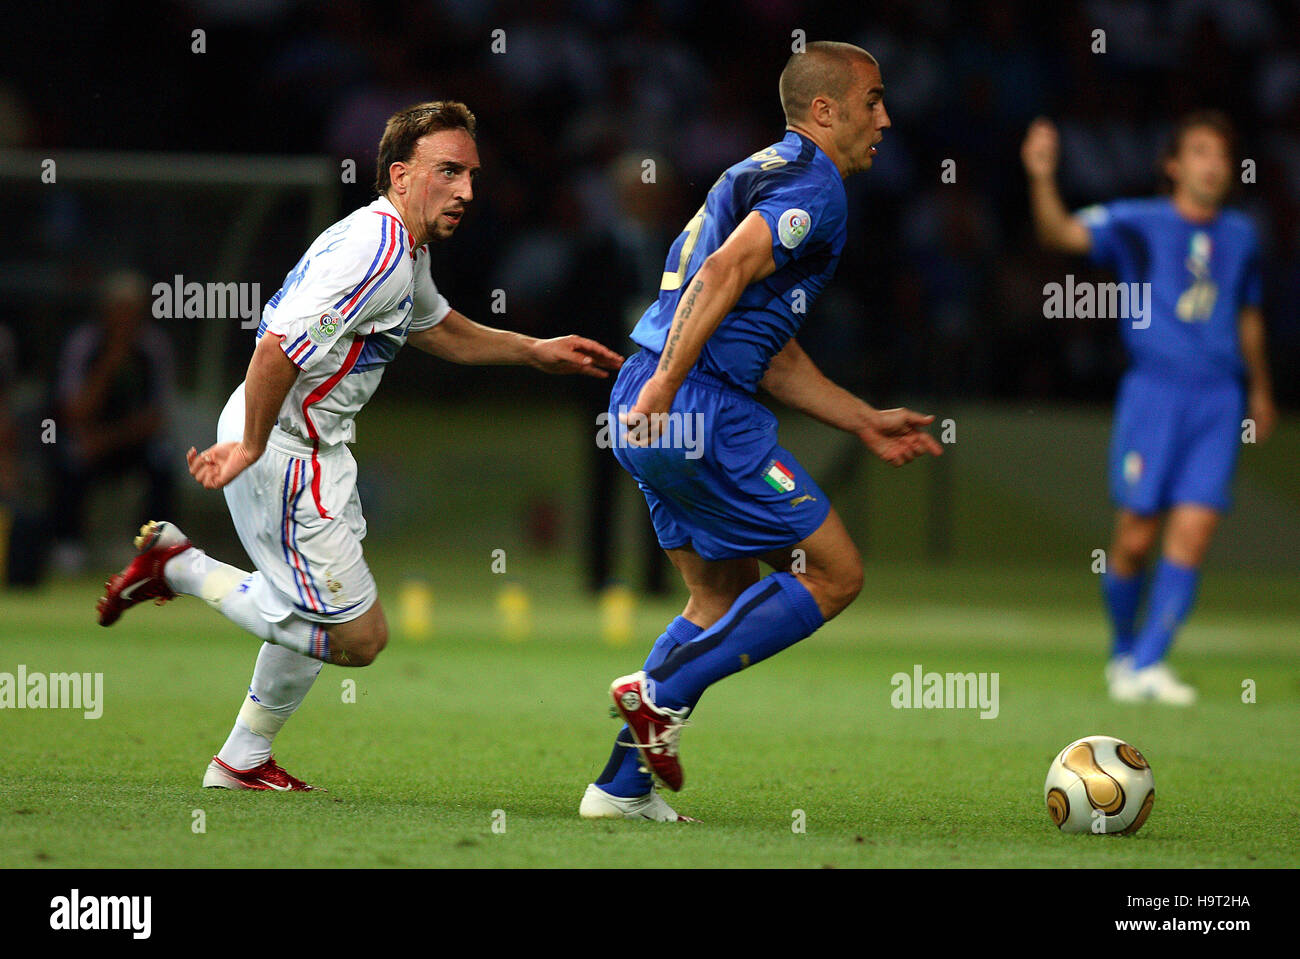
(242, 598)
(195, 573)
(281, 680)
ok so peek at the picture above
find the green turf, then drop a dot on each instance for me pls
(444, 733)
(1027, 487)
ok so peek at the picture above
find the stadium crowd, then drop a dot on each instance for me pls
(950, 267)
(940, 293)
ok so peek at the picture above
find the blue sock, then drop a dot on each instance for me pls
(1123, 594)
(1173, 591)
(622, 775)
(774, 613)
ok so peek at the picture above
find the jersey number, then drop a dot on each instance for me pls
(673, 281)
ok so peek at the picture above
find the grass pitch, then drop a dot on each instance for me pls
(470, 750)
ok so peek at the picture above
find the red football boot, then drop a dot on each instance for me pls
(269, 775)
(655, 729)
(143, 579)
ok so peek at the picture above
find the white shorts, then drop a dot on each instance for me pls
(299, 517)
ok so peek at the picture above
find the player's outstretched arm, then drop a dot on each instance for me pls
(1056, 228)
(896, 435)
(270, 376)
(459, 339)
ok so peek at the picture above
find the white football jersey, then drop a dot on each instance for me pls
(343, 313)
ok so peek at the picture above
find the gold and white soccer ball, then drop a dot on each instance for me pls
(1101, 785)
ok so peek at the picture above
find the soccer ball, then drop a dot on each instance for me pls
(1100, 785)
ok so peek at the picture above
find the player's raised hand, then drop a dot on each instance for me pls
(218, 465)
(1041, 150)
(575, 354)
(897, 437)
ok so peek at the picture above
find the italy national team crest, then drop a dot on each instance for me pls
(793, 227)
(1197, 302)
(324, 329)
(1132, 467)
(779, 478)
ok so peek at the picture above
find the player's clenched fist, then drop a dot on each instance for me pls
(1041, 149)
(218, 465)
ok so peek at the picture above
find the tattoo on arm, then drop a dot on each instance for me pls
(676, 333)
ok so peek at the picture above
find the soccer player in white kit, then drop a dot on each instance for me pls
(360, 292)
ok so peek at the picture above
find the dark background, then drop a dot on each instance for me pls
(939, 293)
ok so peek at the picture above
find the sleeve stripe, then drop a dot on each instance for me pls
(402, 239)
(394, 252)
(382, 280)
(385, 262)
(370, 270)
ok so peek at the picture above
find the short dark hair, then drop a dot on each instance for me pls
(405, 127)
(823, 68)
(1215, 120)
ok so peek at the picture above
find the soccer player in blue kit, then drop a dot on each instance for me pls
(736, 285)
(1198, 369)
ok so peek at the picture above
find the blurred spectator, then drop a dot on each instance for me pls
(567, 87)
(8, 431)
(23, 545)
(15, 124)
(115, 393)
(616, 275)
(8, 451)
(952, 242)
(715, 133)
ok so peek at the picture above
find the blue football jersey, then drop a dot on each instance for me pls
(800, 193)
(1201, 275)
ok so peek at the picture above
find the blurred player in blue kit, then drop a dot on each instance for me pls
(1198, 370)
(736, 285)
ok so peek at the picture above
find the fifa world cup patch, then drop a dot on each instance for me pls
(793, 226)
(779, 478)
(323, 330)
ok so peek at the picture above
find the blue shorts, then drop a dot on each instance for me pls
(1175, 443)
(718, 481)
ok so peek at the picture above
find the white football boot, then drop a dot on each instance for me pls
(1118, 668)
(1153, 684)
(598, 804)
